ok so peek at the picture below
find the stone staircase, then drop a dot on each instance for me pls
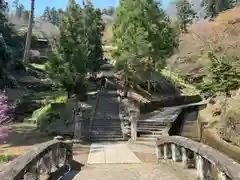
(106, 124)
(150, 130)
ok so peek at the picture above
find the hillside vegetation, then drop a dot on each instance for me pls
(221, 35)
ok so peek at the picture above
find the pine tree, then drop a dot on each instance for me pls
(185, 14)
(143, 36)
(68, 62)
(223, 77)
(46, 14)
(93, 31)
(52, 15)
(214, 7)
(19, 8)
(7, 43)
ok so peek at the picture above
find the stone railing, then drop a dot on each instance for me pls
(192, 154)
(93, 113)
(45, 161)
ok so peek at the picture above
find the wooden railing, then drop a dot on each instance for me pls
(44, 161)
(192, 154)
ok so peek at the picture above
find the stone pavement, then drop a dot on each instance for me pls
(111, 153)
(129, 172)
(116, 161)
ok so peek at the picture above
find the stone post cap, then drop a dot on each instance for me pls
(59, 138)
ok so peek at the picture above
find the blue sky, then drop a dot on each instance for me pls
(41, 4)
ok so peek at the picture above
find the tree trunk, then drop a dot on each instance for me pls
(29, 34)
(149, 86)
(125, 88)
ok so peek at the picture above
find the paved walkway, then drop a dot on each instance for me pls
(111, 153)
(130, 172)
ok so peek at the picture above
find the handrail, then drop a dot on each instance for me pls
(202, 156)
(93, 113)
(44, 160)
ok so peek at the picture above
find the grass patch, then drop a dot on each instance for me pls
(187, 89)
(6, 157)
(39, 66)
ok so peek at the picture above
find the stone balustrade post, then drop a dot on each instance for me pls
(159, 152)
(221, 175)
(78, 130)
(174, 152)
(204, 169)
(184, 157)
(134, 115)
(165, 151)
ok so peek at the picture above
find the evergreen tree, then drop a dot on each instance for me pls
(52, 15)
(143, 36)
(68, 61)
(46, 14)
(185, 14)
(223, 77)
(7, 42)
(94, 27)
(214, 7)
(19, 8)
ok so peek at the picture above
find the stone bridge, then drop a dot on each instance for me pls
(169, 157)
(176, 158)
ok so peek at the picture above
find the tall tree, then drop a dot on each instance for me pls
(7, 42)
(19, 8)
(94, 27)
(68, 61)
(214, 7)
(143, 36)
(52, 15)
(29, 34)
(46, 13)
(185, 14)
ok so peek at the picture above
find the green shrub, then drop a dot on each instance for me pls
(6, 157)
(46, 115)
(40, 111)
(45, 119)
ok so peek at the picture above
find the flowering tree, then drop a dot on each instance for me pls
(4, 116)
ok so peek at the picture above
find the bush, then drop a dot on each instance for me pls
(46, 115)
(45, 119)
(6, 157)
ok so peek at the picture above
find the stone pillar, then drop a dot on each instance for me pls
(134, 116)
(184, 157)
(165, 151)
(78, 134)
(159, 152)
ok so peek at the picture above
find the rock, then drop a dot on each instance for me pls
(216, 112)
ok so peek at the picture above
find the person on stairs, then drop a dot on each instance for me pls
(104, 82)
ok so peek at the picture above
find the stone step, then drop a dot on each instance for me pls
(150, 128)
(96, 139)
(146, 139)
(106, 125)
(151, 124)
(104, 119)
(149, 135)
(106, 133)
(106, 128)
(106, 122)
